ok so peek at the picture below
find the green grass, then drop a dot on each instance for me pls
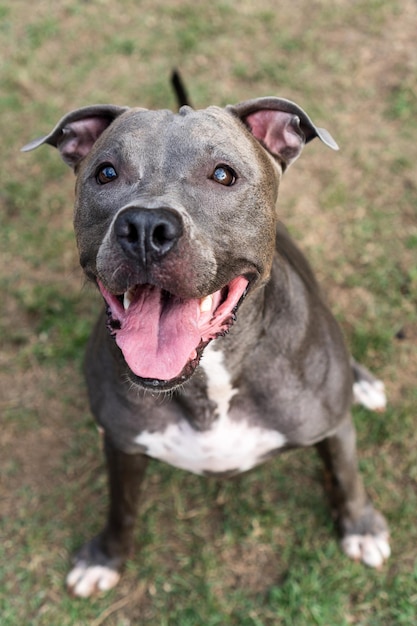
(259, 550)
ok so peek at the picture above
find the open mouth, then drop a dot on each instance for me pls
(161, 335)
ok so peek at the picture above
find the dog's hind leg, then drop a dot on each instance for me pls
(367, 390)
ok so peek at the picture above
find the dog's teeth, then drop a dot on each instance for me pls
(206, 304)
(127, 300)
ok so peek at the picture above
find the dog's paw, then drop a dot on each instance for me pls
(85, 580)
(371, 394)
(373, 550)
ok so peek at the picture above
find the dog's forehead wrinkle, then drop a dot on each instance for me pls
(164, 126)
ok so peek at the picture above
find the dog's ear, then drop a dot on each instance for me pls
(76, 133)
(281, 126)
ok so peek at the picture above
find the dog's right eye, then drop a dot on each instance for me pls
(105, 174)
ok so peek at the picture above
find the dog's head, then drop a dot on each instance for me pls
(175, 218)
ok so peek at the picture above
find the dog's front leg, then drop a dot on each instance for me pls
(364, 531)
(98, 564)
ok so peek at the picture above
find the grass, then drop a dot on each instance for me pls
(259, 550)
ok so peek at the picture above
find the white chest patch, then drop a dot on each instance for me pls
(229, 445)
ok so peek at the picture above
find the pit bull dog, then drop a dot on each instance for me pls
(215, 350)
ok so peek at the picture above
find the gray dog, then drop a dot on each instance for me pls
(215, 350)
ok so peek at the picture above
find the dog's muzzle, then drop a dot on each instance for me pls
(161, 333)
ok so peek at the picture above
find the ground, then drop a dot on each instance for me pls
(261, 549)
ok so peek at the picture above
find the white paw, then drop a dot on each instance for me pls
(372, 550)
(370, 394)
(85, 580)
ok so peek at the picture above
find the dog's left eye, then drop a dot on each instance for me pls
(106, 174)
(224, 175)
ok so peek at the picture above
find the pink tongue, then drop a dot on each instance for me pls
(158, 338)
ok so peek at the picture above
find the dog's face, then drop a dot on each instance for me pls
(175, 220)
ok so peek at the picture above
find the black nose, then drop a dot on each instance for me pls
(148, 234)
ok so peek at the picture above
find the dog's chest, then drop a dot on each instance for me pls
(229, 445)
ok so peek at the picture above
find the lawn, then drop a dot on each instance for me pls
(259, 550)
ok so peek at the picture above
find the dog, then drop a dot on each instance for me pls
(215, 350)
